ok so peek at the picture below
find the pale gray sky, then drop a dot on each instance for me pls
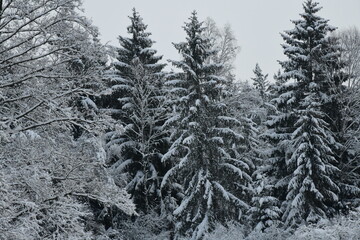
(256, 23)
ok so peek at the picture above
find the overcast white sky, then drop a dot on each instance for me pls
(256, 23)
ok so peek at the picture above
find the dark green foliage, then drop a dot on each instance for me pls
(206, 145)
(303, 160)
(139, 98)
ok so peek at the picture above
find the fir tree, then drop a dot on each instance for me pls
(207, 162)
(137, 149)
(303, 160)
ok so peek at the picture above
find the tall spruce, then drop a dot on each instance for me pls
(207, 162)
(138, 90)
(303, 158)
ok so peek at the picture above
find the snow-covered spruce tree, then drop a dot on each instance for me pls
(138, 45)
(303, 162)
(204, 151)
(260, 82)
(248, 107)
(312, 192)
(265, 211)
(137, 147)
(275, 87)
(251, 110)
(265, 208)
(137, 150)
(262, 88)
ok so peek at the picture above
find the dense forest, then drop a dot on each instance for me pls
(106, 142)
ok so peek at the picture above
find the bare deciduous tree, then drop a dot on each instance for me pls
(52, 187)
(350, 56)
(225, 43)
(39, 42)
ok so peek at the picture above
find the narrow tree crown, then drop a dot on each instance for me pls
(138, 45)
